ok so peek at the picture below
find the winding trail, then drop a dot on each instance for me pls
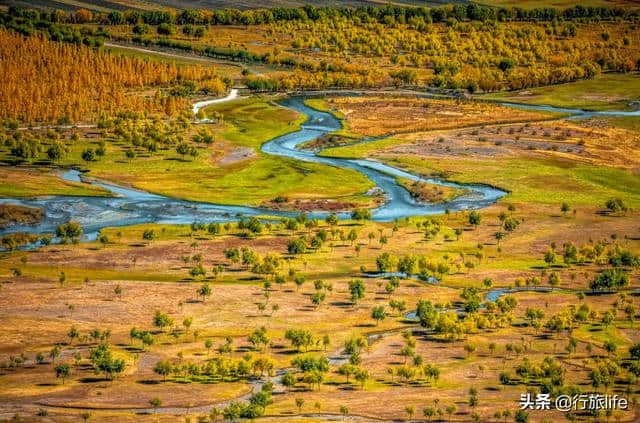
(233, 95)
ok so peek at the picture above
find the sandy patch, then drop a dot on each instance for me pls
(237, 155)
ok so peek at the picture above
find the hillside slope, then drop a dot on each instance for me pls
(106, 5)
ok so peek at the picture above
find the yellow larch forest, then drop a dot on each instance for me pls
(45, 81)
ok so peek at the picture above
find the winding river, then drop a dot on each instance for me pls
(130, 206)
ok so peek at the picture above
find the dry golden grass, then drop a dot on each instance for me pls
(430, 193)
(35, 315)
(596, 142)
(375, 116)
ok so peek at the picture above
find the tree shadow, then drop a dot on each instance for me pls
(341, 304)
(149, 382)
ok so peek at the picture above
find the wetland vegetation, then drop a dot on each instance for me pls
(368, 231)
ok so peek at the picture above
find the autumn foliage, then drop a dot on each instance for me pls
(45, 81)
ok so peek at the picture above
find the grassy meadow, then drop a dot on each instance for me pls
(153, 275)
(249, 177)
(30, 183)
(549, 162)
(122, 280)
(605, 92)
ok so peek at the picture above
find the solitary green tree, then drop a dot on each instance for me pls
(162, 320)
(410, 410)
(149, 235)
(451, 409)
(378, 314)
(475, 218)
(429, 413)
(344, 411)
(155, 403)
(73, 334)
(63, 371)
(356, 289)
(163, 368)
(214, 414)
(118, 291)
(54, 353)
(204, 291)
(289, 380)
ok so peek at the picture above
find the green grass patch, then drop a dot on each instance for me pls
(253, 121)
(322, 105)
(605, 92)
(360, 150)
(537, 180)
(248, 123)
(530, 180)
(76, 275)
(19, 184)
(134, 232)
(600, 334)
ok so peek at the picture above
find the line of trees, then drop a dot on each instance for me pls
(388, 13)
(471, 52)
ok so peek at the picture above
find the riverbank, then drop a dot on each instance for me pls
(135, 206)
(606, 92)
(14, 214)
